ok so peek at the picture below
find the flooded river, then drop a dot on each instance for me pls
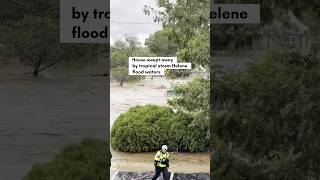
(40, 116)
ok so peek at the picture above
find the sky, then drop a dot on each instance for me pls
(128, 18)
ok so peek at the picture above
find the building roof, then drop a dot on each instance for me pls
(294, 26)
(299, 26)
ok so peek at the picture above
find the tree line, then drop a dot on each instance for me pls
(30, 34)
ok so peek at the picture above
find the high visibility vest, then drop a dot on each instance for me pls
(161, 156)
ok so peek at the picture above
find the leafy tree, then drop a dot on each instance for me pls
(186, 24)
(129, 45)
(35, 42)
(120, 53)
(186, 27)
(192, 99)
(88, 160)
(118, 57)
(30, 33)
(123, 49)
(159, 43)
(121, 75)
(16, 10)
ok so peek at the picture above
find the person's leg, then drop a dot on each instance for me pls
(158, 171)
(165, 174)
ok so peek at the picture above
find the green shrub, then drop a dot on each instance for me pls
(146, 128)
(89, 160)
(187, 137)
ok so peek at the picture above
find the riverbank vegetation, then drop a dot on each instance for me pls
(89, 159)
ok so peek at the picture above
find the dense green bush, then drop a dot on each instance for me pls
(146, 128)
(184, 136)
(89, 160)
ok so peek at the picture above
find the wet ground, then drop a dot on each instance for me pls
(193, 176)
(143, 162)
(148, 175)
(136, 176)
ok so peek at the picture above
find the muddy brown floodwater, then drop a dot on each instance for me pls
(39, 116)
(149, 91)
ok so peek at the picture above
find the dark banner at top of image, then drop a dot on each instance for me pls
(84, 21)
(235, 13)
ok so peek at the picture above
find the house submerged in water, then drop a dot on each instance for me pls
(276, 35)
(294, 35)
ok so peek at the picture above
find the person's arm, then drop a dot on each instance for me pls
(156, 158)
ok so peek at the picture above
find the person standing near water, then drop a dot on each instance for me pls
(161, 163)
